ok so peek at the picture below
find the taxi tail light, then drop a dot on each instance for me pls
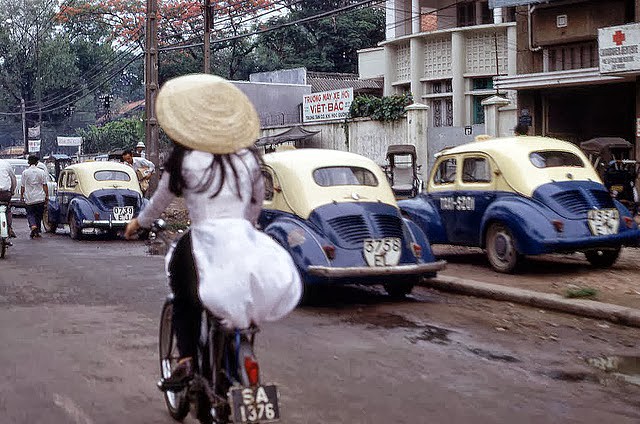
(253, 370)
(628, 221)
(558, 225)
(96, 215)
(417, 249)
(329, 251)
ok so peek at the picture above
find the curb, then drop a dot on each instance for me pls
(586, 308)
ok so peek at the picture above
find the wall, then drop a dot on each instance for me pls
(441, 137)
(284, 76)
(277, 104)
(583, 21)
(365, 137)
(371, 62)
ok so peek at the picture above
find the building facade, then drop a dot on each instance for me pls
(446, 53)
(577, 68)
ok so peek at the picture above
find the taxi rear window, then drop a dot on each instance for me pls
(555, 158)
(344, 175)
(107, 175)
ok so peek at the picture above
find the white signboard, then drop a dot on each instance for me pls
(34, 146)
(69, 141)
(327, 105)
(619, 49)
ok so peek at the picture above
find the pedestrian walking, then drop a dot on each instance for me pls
(7, 188)
(35, 194)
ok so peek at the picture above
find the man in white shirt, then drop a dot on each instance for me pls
(144, 168)
(35, 194)
(7, 188)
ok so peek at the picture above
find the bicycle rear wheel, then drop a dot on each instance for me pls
(3, 248)
(177, 402)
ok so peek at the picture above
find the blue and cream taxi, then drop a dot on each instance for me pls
(520, 196)
(93, 198)
(337, 216)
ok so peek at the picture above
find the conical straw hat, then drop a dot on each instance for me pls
(208, 113)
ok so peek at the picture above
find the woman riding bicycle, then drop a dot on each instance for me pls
(240, 274)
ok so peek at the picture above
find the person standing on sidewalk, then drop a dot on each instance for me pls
(35, 194)
(7, 188)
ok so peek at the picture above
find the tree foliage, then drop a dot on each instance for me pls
(328, 44)
(120, 134)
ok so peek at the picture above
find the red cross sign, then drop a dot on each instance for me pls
(619, 37)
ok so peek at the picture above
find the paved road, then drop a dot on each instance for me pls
(78, 322)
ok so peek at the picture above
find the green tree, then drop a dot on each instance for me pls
(120, 134)
(328, 44)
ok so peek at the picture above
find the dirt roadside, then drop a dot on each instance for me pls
(557, 274)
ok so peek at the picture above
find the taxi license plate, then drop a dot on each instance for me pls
(254, 404)
(382, 252)
(122, 213)
(603, 222)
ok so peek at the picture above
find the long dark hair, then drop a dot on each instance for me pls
(219, 163)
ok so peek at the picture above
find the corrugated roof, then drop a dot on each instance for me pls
(326, 81)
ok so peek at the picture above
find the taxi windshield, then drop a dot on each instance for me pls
(344, 175)
(109, 175)
(555, 158)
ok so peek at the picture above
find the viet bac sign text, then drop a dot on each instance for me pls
(327, 105)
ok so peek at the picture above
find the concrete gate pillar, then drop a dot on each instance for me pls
(492, 123)
(417, 119)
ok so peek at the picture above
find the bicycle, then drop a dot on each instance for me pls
(4, 229)
(226, 386)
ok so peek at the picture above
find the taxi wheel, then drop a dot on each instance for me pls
(74, 231)
(602, 258)
(49, 227)
(501, 249)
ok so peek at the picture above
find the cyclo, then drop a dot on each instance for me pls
(226, 386)
(612, 157)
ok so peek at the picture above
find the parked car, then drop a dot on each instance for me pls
(521, 196)
(18, 166)
(94, 197)
(336, 215)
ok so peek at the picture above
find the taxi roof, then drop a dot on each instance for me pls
(294, 170)
(87, 182)
(511, 155)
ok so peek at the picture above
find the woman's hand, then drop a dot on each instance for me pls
(132, 228)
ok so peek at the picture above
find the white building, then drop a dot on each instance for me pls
(446, 54)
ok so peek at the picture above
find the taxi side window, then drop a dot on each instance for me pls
(268, 185)
(446, 172)
(72, 180)
(476, 170)
(62, 179)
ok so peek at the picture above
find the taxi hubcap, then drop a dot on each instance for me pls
(502, 246)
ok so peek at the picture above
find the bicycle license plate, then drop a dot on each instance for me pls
(603, 222)
(122, 213)
(254, 404)
(382, 252)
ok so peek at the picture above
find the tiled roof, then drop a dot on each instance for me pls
(326, 81)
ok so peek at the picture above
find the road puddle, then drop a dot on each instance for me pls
(433, 334)
(626, 367)
(424, 332)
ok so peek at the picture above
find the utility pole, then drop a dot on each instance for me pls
(25, 139)
(151, 89)
(208, 24)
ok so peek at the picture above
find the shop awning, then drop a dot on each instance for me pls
(293, 134)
